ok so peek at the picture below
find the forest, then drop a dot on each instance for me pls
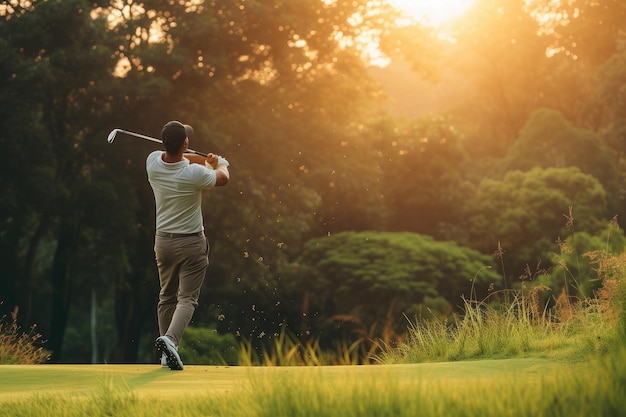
(380, 170)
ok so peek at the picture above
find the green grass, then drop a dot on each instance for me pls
(512, 387)
(549, 367)
(499, 331)
(573, 367)
(571, 330)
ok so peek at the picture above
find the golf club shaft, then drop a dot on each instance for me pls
(151, 139)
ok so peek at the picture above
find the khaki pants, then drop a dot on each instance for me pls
(182, 261)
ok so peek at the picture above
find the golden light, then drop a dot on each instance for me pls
(433, 12)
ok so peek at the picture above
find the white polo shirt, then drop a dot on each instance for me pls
(178, 193)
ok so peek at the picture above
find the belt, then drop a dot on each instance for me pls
(175, 235)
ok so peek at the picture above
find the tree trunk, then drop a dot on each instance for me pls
(94, 327)
(8, 272)
(124, 316)
(12, 293)
(136, 300)
(133, 308)
(60, 289)
(26, 284)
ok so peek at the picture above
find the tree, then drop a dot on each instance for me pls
(370, 279)
(582, 29)
(524, 213)
(58, 68)
(610, 98)
(422, 167)
(500, 55)
(548, 140)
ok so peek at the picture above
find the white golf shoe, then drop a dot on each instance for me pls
(166, 348)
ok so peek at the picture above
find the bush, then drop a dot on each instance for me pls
(203, 346)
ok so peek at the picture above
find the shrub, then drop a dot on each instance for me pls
(203, 346)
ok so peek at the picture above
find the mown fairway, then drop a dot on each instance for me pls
(554, 382)
(394, 390)
(20, 381)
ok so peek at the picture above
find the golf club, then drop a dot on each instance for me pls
(114, 133)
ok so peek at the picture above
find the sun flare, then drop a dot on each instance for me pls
(433, 12)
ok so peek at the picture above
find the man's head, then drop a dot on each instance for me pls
(174, 134)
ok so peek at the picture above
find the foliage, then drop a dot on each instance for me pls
(56, 199)
(202, 346)
(576, 271)
(526, 326)
(525, 212)
(367, 280)
(498, 45)
(419, 190)
(90, 338)
(610, 119)
(548, 140)
(610, 97)
(590, 36)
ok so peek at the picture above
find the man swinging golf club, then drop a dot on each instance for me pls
(177, 179)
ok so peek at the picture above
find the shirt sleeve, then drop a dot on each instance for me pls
(152, 158)
(205, 178)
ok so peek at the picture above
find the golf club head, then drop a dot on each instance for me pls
(111, 136)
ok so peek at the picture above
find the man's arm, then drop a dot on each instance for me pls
(219, 164)
(195, 158)
(222, 175)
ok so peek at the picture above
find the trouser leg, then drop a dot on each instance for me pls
(182, 264)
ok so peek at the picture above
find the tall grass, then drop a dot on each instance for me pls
(17, 347)
(571, 329)
(612, 295)
(288, 350)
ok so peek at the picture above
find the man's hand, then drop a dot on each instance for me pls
(211, 161)
(220, 165)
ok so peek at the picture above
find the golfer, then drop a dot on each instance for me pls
(181, 248)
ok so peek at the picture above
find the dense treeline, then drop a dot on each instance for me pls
(341, 216)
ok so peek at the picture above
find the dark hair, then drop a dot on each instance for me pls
(174, 134)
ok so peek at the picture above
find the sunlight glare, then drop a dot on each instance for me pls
(433, 12)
